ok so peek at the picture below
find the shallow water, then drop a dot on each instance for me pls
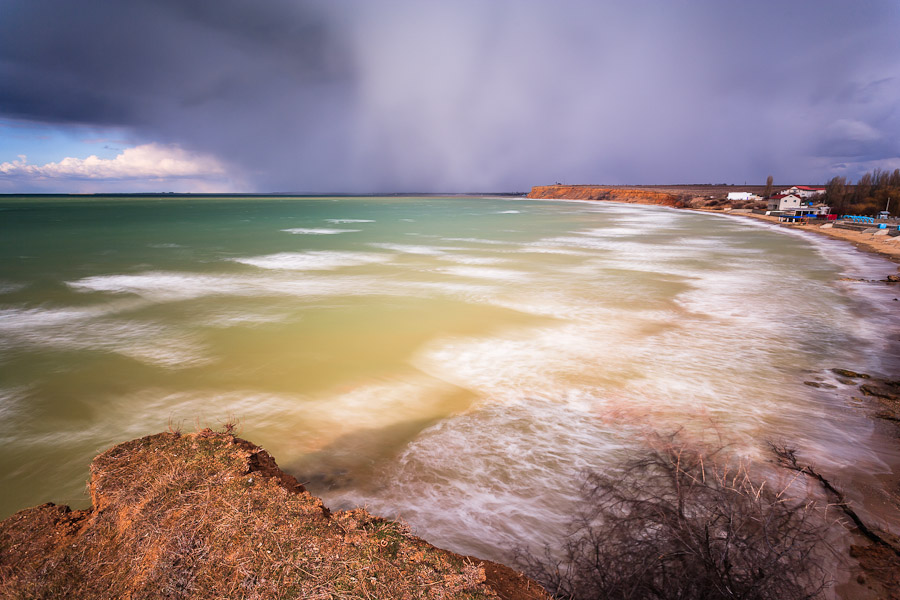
(457, 362)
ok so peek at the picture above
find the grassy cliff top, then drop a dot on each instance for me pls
(209, 515)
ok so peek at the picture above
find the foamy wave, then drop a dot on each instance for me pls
(477, 241)
(313, 260)
(161, 286)
(318, 231)
(455, 480)
(473, 260)
(7, 287)
(11, 404)
(343, 221)
(242, 318)
(96, 329)
(509, 212)
(547, 248)
(409, 249)
(485, 273)
(532, 363)
(622, 231)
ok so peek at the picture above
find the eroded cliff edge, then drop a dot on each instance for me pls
(209, 515)
(612, 194)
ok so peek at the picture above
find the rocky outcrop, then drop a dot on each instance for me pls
(208, 515)
(611, 194)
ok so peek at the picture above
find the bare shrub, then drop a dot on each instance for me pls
(682, 522)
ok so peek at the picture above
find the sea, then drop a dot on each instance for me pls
(460, 363)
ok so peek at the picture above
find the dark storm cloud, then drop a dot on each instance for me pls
(421, 94)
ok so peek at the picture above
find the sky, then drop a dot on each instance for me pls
(369, 96)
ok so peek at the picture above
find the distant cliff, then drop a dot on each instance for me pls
(612, 194)
(209, 515)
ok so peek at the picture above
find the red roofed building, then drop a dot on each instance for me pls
(804, 191)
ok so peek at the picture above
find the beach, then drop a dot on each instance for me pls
(884, 245)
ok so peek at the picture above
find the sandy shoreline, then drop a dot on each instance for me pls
(883, 245)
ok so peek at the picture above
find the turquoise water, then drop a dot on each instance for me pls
(453, 361)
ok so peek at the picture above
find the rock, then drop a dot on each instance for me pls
(893, 278)
(879, 390)
(812, 384)
(849, 373)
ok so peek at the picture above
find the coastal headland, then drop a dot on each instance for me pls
(210, 515)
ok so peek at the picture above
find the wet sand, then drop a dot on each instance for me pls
(884, 245)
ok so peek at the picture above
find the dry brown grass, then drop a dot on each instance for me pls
(208, 515)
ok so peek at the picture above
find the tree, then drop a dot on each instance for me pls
(836, 194)
(769, 181)
(684, 523)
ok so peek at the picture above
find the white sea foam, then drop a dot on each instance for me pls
(464, 486)
(409, 248)
(313, 260)
(163, 286)
(7, 287)
(473, 260)
(344, 221)
(509, 212)
(98, 329)
(485, 273)
(477, 241)
(318, 231)
(546, 248)
(11, 404)
(243, 318)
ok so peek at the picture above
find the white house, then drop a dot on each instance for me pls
(804, 191)
(742, 196)
(784, 202)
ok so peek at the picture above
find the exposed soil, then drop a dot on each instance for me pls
(208, 515)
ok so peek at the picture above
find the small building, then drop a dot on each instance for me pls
(784, 202)
(742, 196)
(804, 191)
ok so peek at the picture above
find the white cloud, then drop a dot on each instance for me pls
(146, 162)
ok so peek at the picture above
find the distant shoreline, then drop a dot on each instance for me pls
(681, 197)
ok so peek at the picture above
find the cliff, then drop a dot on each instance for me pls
(611, 194)
(209, 515)
(703, 197)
